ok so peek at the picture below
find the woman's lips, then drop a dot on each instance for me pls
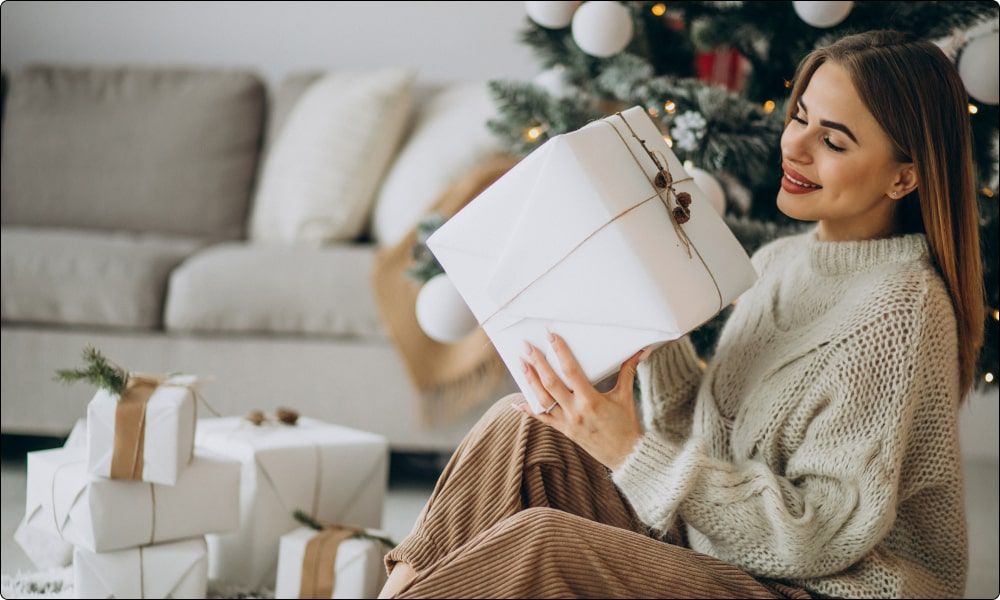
(790, 182)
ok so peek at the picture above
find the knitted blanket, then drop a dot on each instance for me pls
(450, 378)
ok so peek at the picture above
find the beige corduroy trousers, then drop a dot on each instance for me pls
(521, 511)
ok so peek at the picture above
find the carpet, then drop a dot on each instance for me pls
(58, 583)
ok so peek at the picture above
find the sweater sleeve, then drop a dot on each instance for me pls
(837, 496)
(668, 386)
(669, 379)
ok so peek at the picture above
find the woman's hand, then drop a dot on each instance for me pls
(603, 424)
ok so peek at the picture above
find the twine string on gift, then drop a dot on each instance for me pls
(152, 508)
(142, 575)
(664, 181)
(668, 183)
(52, 495)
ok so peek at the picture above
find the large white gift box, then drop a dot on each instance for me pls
(167, 570)
(579, 238)
(165, 431)
(100, 515)
(358, 569)
(332, 473)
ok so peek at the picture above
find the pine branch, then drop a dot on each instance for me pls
(308, 521)
(99, 371)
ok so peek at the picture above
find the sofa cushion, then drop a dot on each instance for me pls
(71, 277)
(448, 139)
(321, 171)
(131, 148)
(260, 288)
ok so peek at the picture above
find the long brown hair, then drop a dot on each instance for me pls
(915, 93)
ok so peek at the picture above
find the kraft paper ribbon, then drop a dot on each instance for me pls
(669, 181)
(320, 561)
(130, 422)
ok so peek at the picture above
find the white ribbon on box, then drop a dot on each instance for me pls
(100, 514)
(360, 570)
(168, 436)
(333, 473)
(577, 238)
(168, 570)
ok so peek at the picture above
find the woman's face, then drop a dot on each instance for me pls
(834, 142)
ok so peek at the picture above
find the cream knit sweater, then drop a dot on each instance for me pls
(820, 445)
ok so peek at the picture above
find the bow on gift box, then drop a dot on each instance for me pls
(134, 391)
(320, 559)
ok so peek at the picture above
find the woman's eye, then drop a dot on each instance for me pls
(832, 147)
(796, 118)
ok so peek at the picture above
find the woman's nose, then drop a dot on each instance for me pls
(794, 147)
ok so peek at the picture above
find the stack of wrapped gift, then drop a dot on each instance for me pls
(329, 473)
(599, 235)
(137, 501)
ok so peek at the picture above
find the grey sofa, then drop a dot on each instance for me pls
(125, 196)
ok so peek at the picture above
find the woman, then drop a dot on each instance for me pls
(817, 455)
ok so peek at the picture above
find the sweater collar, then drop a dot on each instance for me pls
(855, 256)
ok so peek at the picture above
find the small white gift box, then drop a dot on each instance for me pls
(332, 473)
(43, 548)
(100, 515)
(152, 441)
(581, 238)
(358, 568)
(168, 570)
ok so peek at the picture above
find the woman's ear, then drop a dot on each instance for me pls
(906, 181)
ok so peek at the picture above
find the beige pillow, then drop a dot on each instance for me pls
(320, 176)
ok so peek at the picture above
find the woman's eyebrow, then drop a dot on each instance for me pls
(831, 124)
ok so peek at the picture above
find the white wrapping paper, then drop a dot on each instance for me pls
(44, 549)
(168, 570)
(168, 437)
(359, 572)
(576, 239)
(100, 515)
(333, 473)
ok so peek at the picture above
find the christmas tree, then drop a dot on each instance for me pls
(716, 78)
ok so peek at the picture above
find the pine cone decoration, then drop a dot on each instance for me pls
(680, 215)
(287, 416)
(256, 417)
(684, 199)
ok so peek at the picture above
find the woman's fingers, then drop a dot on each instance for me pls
(547, 377)
(570, 367)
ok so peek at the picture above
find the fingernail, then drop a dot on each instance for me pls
(524, 365)
(552, 337)
(527, 347)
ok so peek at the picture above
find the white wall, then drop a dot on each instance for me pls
(445, 41)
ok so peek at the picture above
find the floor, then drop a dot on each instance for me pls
(412, 479)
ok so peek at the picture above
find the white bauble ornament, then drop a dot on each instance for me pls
(552, 15)
(712, 189)
(602, 28)
(978, 67)
(554, 82)
(823, 14)
(441, 311)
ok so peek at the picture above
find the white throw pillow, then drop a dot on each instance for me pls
(448, 138)
(321, 174)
